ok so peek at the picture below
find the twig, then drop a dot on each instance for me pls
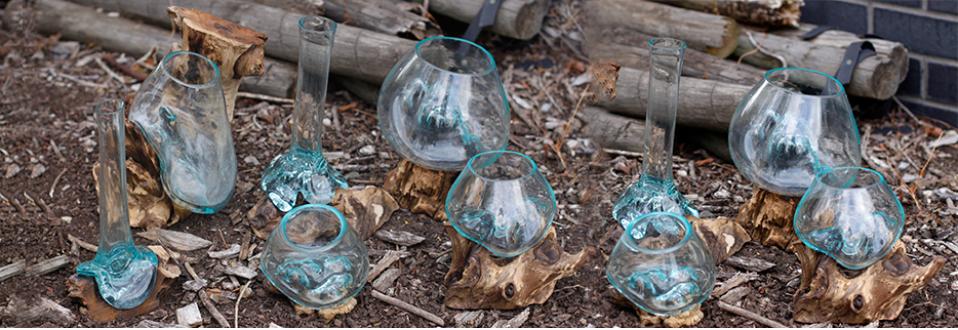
(387, 260)
(409, 308)
(79, 242)
(56, 180)
(622, 152)
(210, 307)
(749, 315)
(78, 80)
(114, 75)
(266, 98)
(238, 299)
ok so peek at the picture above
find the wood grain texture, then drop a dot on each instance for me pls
(895, 51)
(519, 19)
(772, 13)
(386, 16)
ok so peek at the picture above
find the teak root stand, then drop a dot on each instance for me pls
(828, 292)
(477, 279)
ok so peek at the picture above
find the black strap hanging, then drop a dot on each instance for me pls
(854, 53)
(485, 17)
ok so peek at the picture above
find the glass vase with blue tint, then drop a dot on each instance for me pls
(661, 266)
(791, 126)
(303, 170)
(181, 112)
(850, 214)
(501, 202)
(125, 274)
(315, 258)
(655, 191)
(444, 103)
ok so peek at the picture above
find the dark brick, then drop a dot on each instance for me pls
(943, 83)
(907, 3)
(924, 35)
(841, 15)
(912, 83)
(947, 115)
(945, 6)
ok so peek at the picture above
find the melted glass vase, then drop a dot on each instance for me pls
(851, 215)
(315, 258)
(181, 111)
(661, 265)
(125, 274)
(502, 202)
(303, 170)
(444, 103)
(655, 191)
(791, 126)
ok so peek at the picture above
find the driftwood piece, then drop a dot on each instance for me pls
(365, 208)
(879, 292)
(30, 309)
(713, 34)
(237, 50)
(875, 77)
(519, 19)
(386, 16)
(702, 103)
(189, 315)
(418, 189)
(478, 280)
(48, 265)
(84, 289)
(358, 53)
(177, 240)
(768, 218)
(646, 320)
(894, 50)
(12, 269)
(773, 13)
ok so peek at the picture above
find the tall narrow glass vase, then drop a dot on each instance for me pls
(303, 169)
(125, 273)
(655, 191)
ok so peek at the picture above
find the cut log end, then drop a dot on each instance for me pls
(729, 42)
(529, 18)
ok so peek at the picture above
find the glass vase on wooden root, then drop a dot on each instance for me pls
(181, 111)
(655, 191)
(303, 170)
(125, 274)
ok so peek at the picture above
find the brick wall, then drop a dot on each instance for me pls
(928, 28)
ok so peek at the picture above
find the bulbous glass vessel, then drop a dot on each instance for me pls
(851, 215)
(181, 111)
(791, 126)
(315, 258)
(444, 103)
(661, 265)
(502, 202)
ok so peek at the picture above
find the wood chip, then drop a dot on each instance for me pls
(81, 243)
(155, 324)
(27, 310)
(737, 294)
(175, 239)
(241, 271)
(410, 308)
(515, 322)
(386, 280)
(387, 260)
(274, 325)
(210, 307)
(399, 237)
(470, 319)
(232, 251)
(733, 282)
(750, 315)
(48, 266)
(189, 315)
(12, 269)
(750, 264)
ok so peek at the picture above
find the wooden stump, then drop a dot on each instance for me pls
(768, 218)
(418, 189)
(478, 280)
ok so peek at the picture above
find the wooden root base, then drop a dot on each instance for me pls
(327, 314)
(723, 236)
(479, 280)
(418, 189)
(365, 208)
(684, 320)
(768, 218)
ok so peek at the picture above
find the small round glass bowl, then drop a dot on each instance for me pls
(502, 202)
(314, 258)
(851, 215)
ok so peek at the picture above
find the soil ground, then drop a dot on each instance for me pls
(47, 149)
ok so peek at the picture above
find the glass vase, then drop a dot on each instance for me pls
(444, 103)
(502, 202)
(851, 215)
(303, 170)
(181, 111)
(791, 126)
(315, 258)
(125, 274)
(661, 265)
(655, 191)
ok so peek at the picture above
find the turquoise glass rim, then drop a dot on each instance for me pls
(818, 177)
(679, 44)
(343, 226)
(169, 57)
(645, 217)
(490, 68)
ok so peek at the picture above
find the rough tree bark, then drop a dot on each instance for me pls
(773, 13)
(386, 16)
(358, 53)
(702, 103)
(768, 218)
(713, 34)
(520, 19)
(419, 189)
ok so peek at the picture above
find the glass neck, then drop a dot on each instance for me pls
(665, 69)
(315, 49)
(111, 177)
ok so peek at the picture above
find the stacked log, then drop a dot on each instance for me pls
(771, 13)
(895, 51)
(519, 19)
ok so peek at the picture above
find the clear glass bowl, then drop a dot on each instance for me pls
(181, 111)
(791, 126)
(661, 265)
(502, 202)
(851, 215)
(314, 258)
(444, 103)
